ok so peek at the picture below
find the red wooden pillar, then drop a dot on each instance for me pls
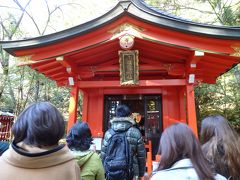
(85, 106)
(191, 110)
(166, 122)
(73, 107)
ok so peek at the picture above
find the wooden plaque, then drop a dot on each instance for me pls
(129, 69)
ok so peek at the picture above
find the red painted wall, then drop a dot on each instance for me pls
(174, 106)
(93, 110)
(173, 103)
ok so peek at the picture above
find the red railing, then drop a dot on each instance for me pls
(148, 147)
(6, 123)
(149, 161)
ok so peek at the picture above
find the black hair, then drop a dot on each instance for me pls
(79, 137)
(123, 111)
(40, 124)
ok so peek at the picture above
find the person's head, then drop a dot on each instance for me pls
(215, 127)
(123, 111)
(79, 137)
(221, 144)
(40, 124)
(178, 142)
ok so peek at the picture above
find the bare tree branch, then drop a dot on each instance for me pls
(48, 18)
(10, 7)
(31, 17)
(4, 30)
(214, 9)
(50, 13)
(199, 10)
(20, 19)
(52, 28)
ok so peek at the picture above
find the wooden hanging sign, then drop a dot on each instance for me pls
(129, 68)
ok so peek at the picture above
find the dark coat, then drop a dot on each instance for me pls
(135, 140)
(3, 146)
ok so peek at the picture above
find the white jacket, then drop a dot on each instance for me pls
(181, 170)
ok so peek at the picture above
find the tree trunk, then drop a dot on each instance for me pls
(37, 88)
(237, 74)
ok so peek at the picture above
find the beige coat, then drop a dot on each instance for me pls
(18, 163)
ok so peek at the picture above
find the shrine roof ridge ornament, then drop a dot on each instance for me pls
(137, 9)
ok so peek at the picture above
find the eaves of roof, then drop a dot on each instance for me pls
(134, 8)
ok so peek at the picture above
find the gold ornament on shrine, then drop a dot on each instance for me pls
(236, 51)
(126, 42)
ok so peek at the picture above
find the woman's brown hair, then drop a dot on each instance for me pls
(221, 145)
(178, 142)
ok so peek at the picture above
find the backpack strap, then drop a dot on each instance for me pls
(112, 132)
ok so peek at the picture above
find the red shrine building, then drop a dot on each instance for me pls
(135, 55)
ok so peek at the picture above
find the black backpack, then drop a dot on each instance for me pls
(118, 163)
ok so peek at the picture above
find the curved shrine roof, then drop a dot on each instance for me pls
(91, 49)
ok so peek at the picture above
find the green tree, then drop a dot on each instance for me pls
(22, 85)
(222, 97)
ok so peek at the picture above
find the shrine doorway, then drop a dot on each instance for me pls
(146, 110)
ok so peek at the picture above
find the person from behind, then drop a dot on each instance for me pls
(123, 151)
(79, 141)
(182, 157)
(221, 145)
(35, 153)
